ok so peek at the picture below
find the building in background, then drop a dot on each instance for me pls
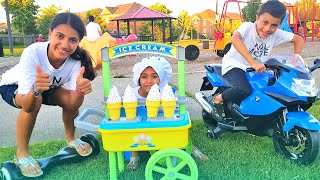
(112, 12)
(206, 22)
(203, 22)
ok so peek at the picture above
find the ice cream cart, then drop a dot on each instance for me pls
(164, 137)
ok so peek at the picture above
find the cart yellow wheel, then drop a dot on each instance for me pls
(178, 165)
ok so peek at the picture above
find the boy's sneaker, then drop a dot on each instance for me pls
(218, 112)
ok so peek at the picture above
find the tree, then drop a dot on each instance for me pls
(160, 8)
(46, 17)
(96, 13)
(23, 15)
(305, 9)
(184, 23)
(250, 11)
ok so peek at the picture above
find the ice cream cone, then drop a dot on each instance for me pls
(152, 108)
(168, 108)
(131, 109)
(114, 110)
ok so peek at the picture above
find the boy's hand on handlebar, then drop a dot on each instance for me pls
(259, 67)
(42, 82)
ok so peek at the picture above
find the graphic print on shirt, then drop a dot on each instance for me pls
(259, 50)
(55, 82)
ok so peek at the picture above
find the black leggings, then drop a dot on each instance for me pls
(241, 88)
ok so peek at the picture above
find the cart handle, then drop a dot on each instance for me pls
(80, 122)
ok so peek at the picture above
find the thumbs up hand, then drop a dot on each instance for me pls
(83, 84)
(42, 82)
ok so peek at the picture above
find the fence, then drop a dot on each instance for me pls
(18, 39)
(29, 39)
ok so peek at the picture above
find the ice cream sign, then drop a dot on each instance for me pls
(142, 47)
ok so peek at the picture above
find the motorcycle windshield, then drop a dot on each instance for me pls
(293, 61)
(303, 84)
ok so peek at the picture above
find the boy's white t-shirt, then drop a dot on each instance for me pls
(259, 48)
(93, 31)
(24, 73)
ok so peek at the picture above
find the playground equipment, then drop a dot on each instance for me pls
(312, 18)
(294, 21)
(94, 48)
(9, 171)
(301, 25)
(191, 48)
(222, 36)
(143, 133)
(285, 24)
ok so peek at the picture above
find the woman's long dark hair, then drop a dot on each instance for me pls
(80, 54)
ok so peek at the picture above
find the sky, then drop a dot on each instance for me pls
(192, 6)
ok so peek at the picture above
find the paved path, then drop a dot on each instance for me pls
(49, 124)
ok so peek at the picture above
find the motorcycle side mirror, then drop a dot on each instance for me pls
(316, 65)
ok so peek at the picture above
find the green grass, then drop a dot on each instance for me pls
(17, 51)
(231, 156)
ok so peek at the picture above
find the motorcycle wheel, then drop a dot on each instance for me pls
(303, 146)
(208, 120)
(210, 123)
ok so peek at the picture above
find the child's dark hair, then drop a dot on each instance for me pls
(273, 7)
(76, 23)
(91, 18)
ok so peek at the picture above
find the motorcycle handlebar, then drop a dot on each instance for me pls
(250, 69)
(208, 68)
(271, 67)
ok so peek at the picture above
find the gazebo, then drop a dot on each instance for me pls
(145, 14)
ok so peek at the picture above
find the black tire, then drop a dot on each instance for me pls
(304, 146)
(92, 140)
(227, 48)
(208, 120)
(5, 174)
(192, 52)
(220, 53)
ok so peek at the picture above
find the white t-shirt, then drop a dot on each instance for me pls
(24, 73)
(93, 31)
(259, 48)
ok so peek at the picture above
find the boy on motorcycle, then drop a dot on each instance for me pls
(251, 45)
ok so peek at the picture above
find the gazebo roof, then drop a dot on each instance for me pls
(142, 13)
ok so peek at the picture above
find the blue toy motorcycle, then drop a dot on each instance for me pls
(277, 106)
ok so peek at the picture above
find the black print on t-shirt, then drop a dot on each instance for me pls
(259, 50)
(55, 82)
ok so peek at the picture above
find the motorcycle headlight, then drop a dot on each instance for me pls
(303, 87)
